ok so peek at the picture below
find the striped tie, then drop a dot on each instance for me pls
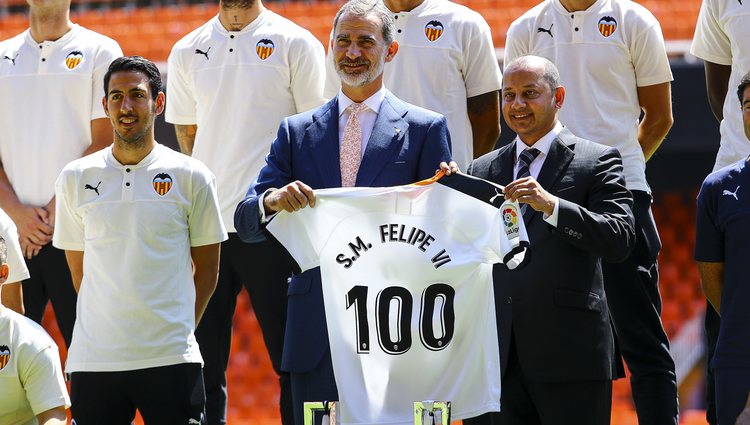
(526, 158)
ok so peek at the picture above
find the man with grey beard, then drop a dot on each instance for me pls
(364, 136)
(230, 83)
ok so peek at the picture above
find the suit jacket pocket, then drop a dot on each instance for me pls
(584, 300)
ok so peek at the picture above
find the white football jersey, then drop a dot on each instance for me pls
(407, 286)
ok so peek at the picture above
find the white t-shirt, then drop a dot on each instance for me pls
(445, 56)
(407, 287)
(604, 54)
(237, 86)
(50, 93)
(136, 225)
(31, 380)
(721, 37)
(16, 264)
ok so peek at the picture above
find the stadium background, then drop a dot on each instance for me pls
(150, 27)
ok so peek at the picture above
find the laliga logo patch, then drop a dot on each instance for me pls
(162, 183)
(510, 219)
(264, 48)
(4, 355)
(73, 59)
(433, 30)
(607, 26)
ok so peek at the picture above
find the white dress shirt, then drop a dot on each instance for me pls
(542, 145)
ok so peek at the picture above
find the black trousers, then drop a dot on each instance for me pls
(263, 270)
(166, 395)
(712, 324)
(50, 281)
(635, 307)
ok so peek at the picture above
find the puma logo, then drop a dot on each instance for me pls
(95, 189)
(192, 421)
(498, 194)
(548, 31)
(645, 270)
(201, 52)
(728, 193)
(11, 59)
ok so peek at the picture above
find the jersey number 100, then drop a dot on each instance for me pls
(400, 341)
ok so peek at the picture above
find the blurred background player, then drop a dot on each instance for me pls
(18, 270)
(231, 81)
(447, 64)
(147, 220)
(33, 390)
(719, 40)
(613, 62)
(50, 113)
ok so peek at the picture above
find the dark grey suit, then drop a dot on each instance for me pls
(553, 319)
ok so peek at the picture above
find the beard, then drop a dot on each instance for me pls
(136, 140)
(237, 4)
(362, 78)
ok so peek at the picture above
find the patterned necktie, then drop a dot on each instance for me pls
(526, 158)
(350, 153)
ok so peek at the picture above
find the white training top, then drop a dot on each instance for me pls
(603, 54)
(136, 225)
(50, 93)
(237, 86)
(407, 287)
(31, 380)
(445, 56)
(16, 264)
(721, 37)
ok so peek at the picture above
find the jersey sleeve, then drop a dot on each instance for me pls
(204, 221)
(710, 42)
(107, 53)
(16, 264)
(41, 376)
(307, 58)
(709, 239)
(69, 231)
(649, 55)
(181, 104)
(481, 70)
(508, 238)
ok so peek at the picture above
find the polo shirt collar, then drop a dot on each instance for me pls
(60, 41)
(560, 8)
(249, 28)
(145, 162)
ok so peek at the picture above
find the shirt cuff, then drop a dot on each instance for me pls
(552, 218)
(263, 217)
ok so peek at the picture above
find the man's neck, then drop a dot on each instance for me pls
(130, 155)
(49, 24)
(396, 6)
(235, 19)
(577, 5)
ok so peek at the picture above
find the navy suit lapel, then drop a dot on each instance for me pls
(322, 135)
(385, 141)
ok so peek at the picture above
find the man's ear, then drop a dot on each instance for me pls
(104, 104)
(161, 100)
(392, 50)
(559, 96)
(4, 270)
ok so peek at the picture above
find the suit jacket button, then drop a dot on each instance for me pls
(579, 236)
(509, 300)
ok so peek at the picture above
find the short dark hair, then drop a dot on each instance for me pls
(551, 74)
(3, 251)
(362, 8)
(137, 64)
(744, 82)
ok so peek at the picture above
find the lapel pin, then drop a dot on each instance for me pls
(398, 130)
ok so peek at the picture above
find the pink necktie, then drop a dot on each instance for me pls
(350, 153)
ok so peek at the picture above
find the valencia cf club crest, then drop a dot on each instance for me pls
(607, 26)
(73, 59)
(162, 183)
(433, 30)
(264, 48)
(4, 355)
(510, 219)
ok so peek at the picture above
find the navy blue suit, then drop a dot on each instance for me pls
(407, 145)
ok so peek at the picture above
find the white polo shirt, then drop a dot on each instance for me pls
(604, 54)
(31, 380)
(445, 56)
(16, 264)
(50, 93)
(237, 86)
(721, 37)
(136, 225)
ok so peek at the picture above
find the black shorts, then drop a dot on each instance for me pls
(167, 395)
